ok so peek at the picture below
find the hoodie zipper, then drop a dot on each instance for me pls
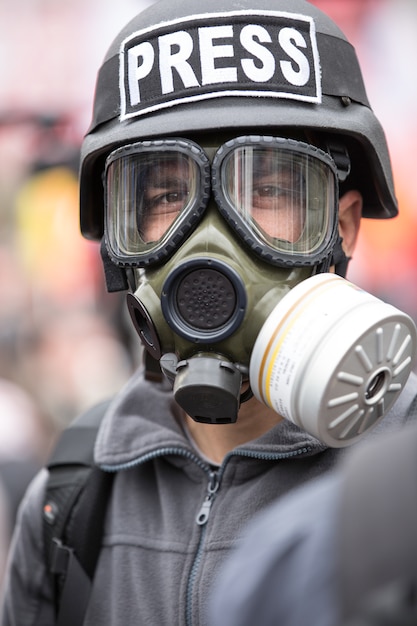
(212, 488)
(203, 514)
(201, 519)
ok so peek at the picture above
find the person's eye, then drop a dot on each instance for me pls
(170, 199)
(268, 191)
(174, 197)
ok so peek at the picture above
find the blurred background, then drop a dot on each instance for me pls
(64, 342)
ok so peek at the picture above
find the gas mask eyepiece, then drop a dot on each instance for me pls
(278, 195)
(155, 192)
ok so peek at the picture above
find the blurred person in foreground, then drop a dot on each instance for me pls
(231, 157)
(339, 551)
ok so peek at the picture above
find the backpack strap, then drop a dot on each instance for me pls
(75, 503)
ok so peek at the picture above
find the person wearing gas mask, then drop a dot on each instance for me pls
(231, 156)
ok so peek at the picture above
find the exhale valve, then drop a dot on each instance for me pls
(206, 387)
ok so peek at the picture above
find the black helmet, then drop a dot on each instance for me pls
(181, 68)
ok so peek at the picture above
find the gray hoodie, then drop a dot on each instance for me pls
(172, 518)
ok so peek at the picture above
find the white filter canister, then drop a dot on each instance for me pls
(332, 358)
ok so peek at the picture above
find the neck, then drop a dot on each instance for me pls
(216, 440)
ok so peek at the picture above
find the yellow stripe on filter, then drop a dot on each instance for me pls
(286, 324)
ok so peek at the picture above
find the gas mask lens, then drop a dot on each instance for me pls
(268, 191)
(154, 192)
(279, 195)
(282, 195)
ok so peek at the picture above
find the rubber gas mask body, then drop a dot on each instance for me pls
(231, 249)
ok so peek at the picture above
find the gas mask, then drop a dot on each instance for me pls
(231, 249)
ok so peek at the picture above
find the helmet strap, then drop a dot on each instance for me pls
(340, 156)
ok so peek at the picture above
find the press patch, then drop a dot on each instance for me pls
(268, 54)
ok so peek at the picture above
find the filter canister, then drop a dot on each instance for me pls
(332, 358)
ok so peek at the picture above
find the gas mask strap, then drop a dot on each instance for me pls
(116, 279)
(152, 368)
(246, 395)
(339, 258)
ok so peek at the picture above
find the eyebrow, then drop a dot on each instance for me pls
(167, 182)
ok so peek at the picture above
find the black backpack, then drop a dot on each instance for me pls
(74, 509)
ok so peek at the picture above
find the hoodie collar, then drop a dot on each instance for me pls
(142, 421)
